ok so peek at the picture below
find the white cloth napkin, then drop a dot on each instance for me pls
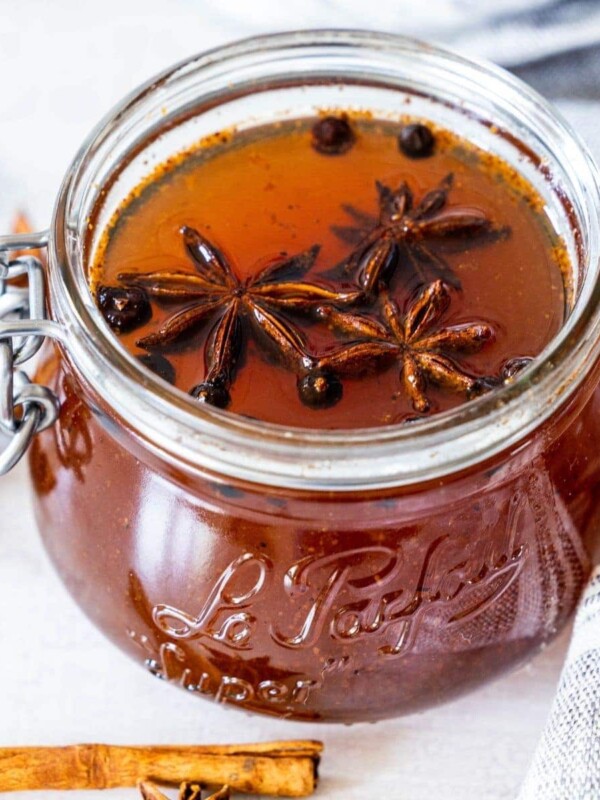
(566, 765)
(506, 31)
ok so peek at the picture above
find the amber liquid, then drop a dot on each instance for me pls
(337, 606)
(270, 192)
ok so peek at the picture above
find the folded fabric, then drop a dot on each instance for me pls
(566, 765)
(509, 32)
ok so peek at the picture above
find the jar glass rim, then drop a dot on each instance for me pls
(199, 437)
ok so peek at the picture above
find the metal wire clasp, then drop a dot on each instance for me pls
(25, 408)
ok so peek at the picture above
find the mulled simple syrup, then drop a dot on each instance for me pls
(334, 273)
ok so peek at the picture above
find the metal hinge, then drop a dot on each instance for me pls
(25, 407)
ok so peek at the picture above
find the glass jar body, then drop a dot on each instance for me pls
(334, 606)
(333, 575)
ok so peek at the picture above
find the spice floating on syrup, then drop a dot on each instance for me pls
(123, 309)
(332, 136)
(514, 366)
(416, 140)
(320, 388)
(217, 293)
(398, 238)
(249, 319)
(420, 347)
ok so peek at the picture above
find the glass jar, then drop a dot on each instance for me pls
(322, 575)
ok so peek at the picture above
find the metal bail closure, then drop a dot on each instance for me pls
(25, 408)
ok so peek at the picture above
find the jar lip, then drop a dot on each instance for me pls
(233, 447)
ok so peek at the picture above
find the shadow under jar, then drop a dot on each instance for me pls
(320, 575)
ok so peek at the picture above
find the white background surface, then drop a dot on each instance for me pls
(62, 682)
(62, 65)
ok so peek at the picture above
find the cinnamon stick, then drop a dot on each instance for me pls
(283, 769)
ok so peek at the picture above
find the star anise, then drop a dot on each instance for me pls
(422, 349)
(404, 232)
(149, 790)
(259, 306)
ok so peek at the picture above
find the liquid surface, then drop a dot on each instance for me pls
(270, 195)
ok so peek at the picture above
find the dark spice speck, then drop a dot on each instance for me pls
(159, 365)
(416, 140)
(320, 389)
(215, 394)
(123, 308)
(512, 367)
(332, 136)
